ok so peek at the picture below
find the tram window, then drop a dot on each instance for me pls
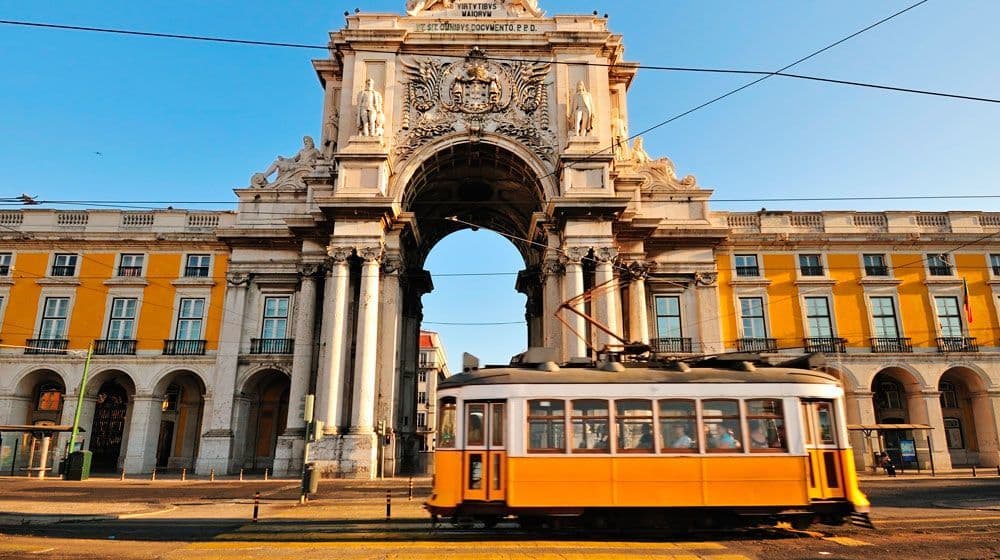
(590, 426)
(678, 426)
(824, 419)
(546, 426)
(475, 422)
(634, 421)
(446, 424)
(496, 429)
(721, 419)
(766, 421)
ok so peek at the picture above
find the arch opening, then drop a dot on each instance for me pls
(264, 407)
(964, 400)
(181, 411)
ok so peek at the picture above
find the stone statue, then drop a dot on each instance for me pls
(304, 160)
(582, 111)
(529, 6)
(639, 154)
(371, 119)
(330, 131)
(619, 132)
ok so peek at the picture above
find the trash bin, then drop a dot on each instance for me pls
(78, 465)
(310, 480)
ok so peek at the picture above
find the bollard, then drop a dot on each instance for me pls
(266, 472)
(241, 475)
(998, 468)
(256, 506)
(388, 504)
(184, 474)
(153, 477)
(211, 475)
(973, 470)
(410, 491)
(123, 474)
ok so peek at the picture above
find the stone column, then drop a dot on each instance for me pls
(605, 301)
(925, 408)
(362, 416)
(861, 410)
(216, 448)
(986, 415)
(709, 319)
(390, 318)
(552, 272)
(143, 433)
(638, 317)
(330, 380)
(576, 338)
(288, 452)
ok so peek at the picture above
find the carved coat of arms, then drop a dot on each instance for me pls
(475, 95)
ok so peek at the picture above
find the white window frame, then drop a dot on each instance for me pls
(958, 315)
(201, 319)
(895, 310)
(821, 263)
(886, 260)
(111, 316)
(64, 331)
(265, 318)
(948, 261)
(187, 259)
(830, 315)
(55, 260)
(992, 258)
(680, 314)
(759, 263)
(141, 266)
(7, 259)
(764, 314)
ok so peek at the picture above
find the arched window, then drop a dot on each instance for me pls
(49, 397)
(949, 396)
(888, 395)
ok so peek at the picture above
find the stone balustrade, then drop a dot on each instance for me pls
(847, 222)
(110, 221)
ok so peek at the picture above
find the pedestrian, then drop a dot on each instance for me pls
(886, 463)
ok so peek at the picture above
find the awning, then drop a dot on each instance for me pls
(884, 427)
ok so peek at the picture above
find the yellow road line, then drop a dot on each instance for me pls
(937, 519)
(463, 545)
(847, 541)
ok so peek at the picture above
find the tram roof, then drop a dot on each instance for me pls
(637, 375)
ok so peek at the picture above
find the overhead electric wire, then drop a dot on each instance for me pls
(764, 74)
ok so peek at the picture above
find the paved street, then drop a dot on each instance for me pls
(103, 518)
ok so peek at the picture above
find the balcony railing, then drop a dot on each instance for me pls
(940, 271)
(876, 270)
(184, 347)
(669, 345)
(272, 345)
(957, 344)
(131, 271)
(811, 270)
(891, 345)
(832, 345)
(747, 271)
(60, 270)
(757, 344)
(114, 347)
(46, 346)
(196, 271)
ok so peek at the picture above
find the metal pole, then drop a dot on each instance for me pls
(79, 398)
(184, 474)
(256, 506)
(13, 461)
(388, 504)
(930, 452)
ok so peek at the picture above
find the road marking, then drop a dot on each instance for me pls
(847, 541)
(938, 519)
(147, 513)
(465, 545)
(42, 551)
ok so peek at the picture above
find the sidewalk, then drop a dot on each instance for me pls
(923, 474)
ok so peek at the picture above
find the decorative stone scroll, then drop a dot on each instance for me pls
(706, 279)
(237, 279)
(290, 170)
(660, 173)
(476, 95)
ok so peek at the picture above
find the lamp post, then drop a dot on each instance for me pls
(79, 398)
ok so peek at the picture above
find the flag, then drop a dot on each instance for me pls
(965, 301)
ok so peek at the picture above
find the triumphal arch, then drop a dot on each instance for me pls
(451, 115)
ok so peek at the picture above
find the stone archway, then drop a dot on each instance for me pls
(969, 428)
(264, 406)
(108, 406)
(176, 436)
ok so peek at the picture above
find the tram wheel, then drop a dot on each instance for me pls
(489, 521)
(801, 522)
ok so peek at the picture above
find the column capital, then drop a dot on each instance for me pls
(339, 254)
(638, 270)
(605, 254)
(392, 265)
(574, 255)
(553, 267)
(371, 253)
(237, 279)
(309, 270)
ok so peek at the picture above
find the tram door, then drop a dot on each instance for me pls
(485, 451)
(826, 480)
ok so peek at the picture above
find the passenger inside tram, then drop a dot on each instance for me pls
(679, 438)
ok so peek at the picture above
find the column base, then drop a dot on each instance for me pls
(288, 455)
(346, 456)
(215, 452)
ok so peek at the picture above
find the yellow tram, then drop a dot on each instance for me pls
(643, 446)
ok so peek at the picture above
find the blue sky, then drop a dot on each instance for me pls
(186, 121)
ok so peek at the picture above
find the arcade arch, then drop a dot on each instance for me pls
(263, 404)
(181, 409)
(964, 401)
(107, 411)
